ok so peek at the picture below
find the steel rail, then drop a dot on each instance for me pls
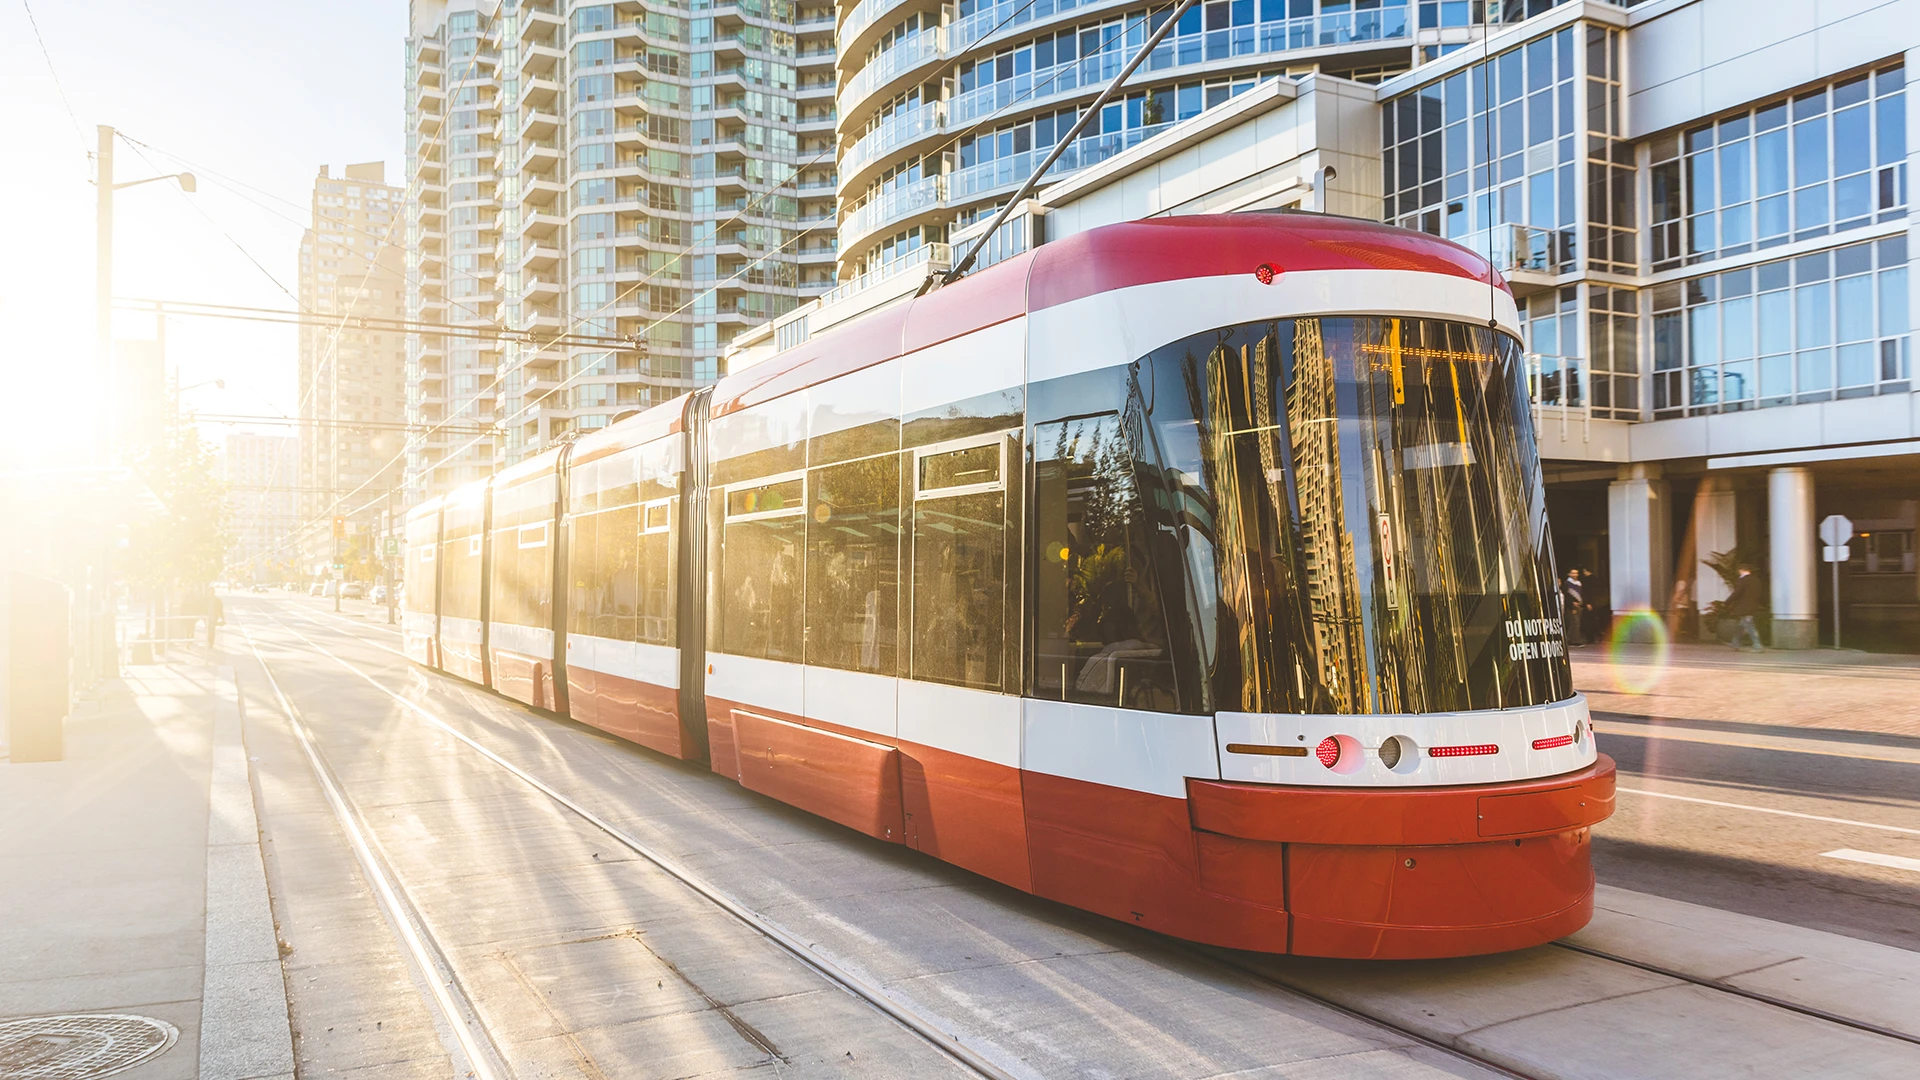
(929, 1028)
(458, 1015)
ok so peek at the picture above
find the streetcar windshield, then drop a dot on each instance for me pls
(1360, 516)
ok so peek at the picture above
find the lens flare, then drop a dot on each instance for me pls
(1640, 672)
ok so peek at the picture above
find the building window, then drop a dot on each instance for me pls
(1486, 156)
(1818, 163)
(1828, 325)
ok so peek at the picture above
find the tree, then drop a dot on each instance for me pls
(182, 544)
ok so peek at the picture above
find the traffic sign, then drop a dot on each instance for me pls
(1836, 529)
(391, 547)
(1840, 553)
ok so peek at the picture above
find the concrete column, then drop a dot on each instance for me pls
(1639, 526)
(1715, 529)
(1791, 526)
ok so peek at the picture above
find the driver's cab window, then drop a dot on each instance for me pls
(1099, 634)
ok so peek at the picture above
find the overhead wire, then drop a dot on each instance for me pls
(739, 214)
(58, 87)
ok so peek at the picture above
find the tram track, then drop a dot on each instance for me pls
(1725, 987)
(936, 1033)
(929, 1029)
(452, 1003)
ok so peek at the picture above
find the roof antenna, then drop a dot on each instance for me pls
(1087, 114)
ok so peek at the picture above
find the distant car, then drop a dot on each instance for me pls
(379, 594)
(318, 588)
(258, 588)
(290, 587)
(353, 590)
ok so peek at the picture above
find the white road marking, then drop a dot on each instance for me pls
(1769, 810)
(1782, 744)
(1874, 858)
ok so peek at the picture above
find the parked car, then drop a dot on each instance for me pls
(379, 594)
(353, 590)
(318, 588)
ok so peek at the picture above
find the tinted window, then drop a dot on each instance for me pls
(959, 539)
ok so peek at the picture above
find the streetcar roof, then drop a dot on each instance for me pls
(1100, 260)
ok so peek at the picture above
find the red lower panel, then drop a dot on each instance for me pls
(463, 660)
(1134, 857)
(965, 811)
(640, 711)
(524, 678)
(852, 781)
(1411, 903)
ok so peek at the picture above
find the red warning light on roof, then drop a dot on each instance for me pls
(1266, 272)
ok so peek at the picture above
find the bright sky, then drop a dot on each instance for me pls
(259, 92)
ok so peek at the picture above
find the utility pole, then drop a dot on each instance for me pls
(386, 556)
(100, 606)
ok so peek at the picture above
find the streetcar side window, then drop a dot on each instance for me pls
(853, 563)
(522, 586)
(959, 556)
(763, 538)
(656, 548)
(460, 560)
(1099, 633)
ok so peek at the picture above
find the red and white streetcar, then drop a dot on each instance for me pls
(1192, 571)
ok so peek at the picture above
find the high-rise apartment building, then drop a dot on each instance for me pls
(657, 173)
(352, 376)
(945, 108)
(263, 499)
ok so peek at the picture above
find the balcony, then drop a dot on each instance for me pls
(893, 207)
(536, 61)
(1560, 387)
(1527, 257)
(990, 177)
(893, 133)
(863, 23)
(890, 66)
(540, 22)
(542, 192)
(537, 256)
(536, 123)
(925, 259)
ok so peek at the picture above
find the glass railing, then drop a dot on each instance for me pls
(1522, 248)
(864, 16)
(1254, 39)
(924, 256)
(911, 53)
(976, 180)
(890, 206)
(895, 130)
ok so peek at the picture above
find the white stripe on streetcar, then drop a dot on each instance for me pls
(1874, 858)
(1769, 810)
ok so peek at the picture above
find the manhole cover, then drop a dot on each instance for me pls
(79, 1046)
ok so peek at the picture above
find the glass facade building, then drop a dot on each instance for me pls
(945, 109)
(1523, 156)
(634, 170)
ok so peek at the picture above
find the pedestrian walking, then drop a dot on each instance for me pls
(215, 615)
(1573, 610)
(1743, 604)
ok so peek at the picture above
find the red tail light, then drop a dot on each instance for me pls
(1553, 743)
(1328, 751)
(1476, 750)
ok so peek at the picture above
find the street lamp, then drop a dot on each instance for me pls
(108, 650)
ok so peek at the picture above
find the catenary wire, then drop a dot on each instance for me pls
(315, 522)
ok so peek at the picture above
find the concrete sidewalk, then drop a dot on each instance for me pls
(131, 883)
(1813, 688)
